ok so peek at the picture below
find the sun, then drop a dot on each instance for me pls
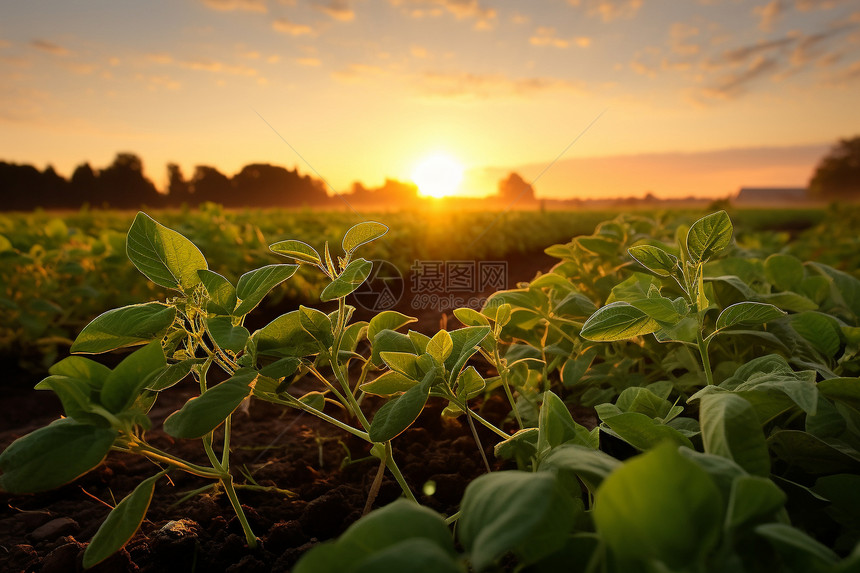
(438, 176)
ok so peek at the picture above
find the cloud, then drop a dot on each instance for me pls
(807, 5)
(163, 82)
(285, 26)
(679, 36)
(237, 5)
(847, 75)
(5, 43)
(545, 36)
(419, 52)
(356, 73)
(769, 14)
(733, 84)
(467, 86)
(460, 9)
(337, 10)
(215, 66)
(609, 10)
(309, 62)
(50, 48)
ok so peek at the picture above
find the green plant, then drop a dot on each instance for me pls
(196, 329)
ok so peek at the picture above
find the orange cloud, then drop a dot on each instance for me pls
(50, 48)
(460, 9)
(769, 14)
(338, 10)
(609, 10)
(285, 26)
(237, 5)
(465, 85)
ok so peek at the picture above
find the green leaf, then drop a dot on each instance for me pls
(389, 341)
(470, 384)
(83, 368)
(121, 523)
(398, 413)
(405, 363)
(785, 272)
(285, 336)
(640, 431)
(315, 400)
(222, 293)
(387, 320)
(126, 326)
(440, 346)
(748, 314)
(53, 455)
(654, 259)
(730, 428)
(817, 456)
(166, 257)
(844, 390)
(470, 317)
(362, 233)
(379, 534)
(256, 284)
(132, 375)
(199, 416)
(225, 334)
(660, 309)
(388, 384)
(659, 505)
(76, 396)
(797, 548)
(709, 236)
(644, 401)
(528, 514)
(821, 330)
(465, 343)
(618, 321)
(753, 498)
(346, 282)
(591, 465)
(556, 426)
(317, 324)
(173, 374)
(298, 251)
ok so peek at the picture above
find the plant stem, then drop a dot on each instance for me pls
(374, 488)
(706, 361)
(225, 454)
(227, 481)
(478, 440)
(157, 455)
(503, 374)
(474, 414)
(295, 403)
(395, 471)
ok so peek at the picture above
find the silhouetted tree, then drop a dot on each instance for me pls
(123, 184)
(82, 185)
(209, 184)
(20, 187)
(838, 173)
(261, 184)
(54, 190)
(178, 189)
(515, 189)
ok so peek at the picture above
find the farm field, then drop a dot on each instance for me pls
(647, 391)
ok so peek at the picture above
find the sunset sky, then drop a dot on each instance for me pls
(675, 97)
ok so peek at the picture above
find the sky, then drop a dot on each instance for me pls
(584, 98)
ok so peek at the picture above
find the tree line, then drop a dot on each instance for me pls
(122, 185)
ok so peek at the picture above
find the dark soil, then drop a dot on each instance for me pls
(327, 471)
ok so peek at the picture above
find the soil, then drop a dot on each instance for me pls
(328, 474)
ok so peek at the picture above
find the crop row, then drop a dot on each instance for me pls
(724, 377)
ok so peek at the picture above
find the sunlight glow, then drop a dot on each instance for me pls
(438, 176)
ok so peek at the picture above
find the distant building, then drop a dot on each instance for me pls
(771, 195)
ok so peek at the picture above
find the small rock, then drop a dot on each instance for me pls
(54, 529)
(63, 559)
